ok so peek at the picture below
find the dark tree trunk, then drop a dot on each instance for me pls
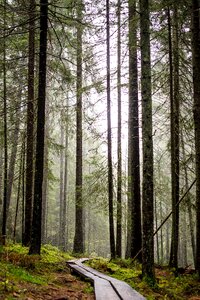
(109, 134)
(35, 244)
(79, 232)
(30, 127)
(174, 103)
(1, 179)
(119, 142)
(147, 207)
(196, 85)
(5, 133)
(133, 139)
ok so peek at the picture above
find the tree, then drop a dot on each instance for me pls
(30, 126)
(147, 204)
(133, 137)
(119, 142)
(35, 244)
(196, 86)
(79, 234)
(174, 103)
(109, 135)
(5, 131)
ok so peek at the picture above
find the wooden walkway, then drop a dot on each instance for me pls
(105, 287)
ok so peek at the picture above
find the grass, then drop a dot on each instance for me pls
(18, 268)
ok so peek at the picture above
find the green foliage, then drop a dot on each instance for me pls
(89, 289)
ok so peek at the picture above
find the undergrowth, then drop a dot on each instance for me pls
(185, 286)
(17, 267)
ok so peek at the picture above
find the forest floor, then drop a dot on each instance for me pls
(47, 277)
(39, 278)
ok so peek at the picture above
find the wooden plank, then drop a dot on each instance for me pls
(104, 290)
(106, 287)
(82, 272)
(123, 289)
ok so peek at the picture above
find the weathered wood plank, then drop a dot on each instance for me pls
(104, 290)
(105, 286)
(122, 288)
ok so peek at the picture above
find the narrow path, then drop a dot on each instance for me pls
(105, 287)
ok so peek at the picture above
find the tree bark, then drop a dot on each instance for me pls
(109, 137)
(148, 189)
(196, 87)
(119, 142)
(5, 131)
(79, 231)
(174, 103)
(30, 127)
(133, 139)
(35, 244)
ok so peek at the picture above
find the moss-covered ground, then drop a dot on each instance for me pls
(168, 286)
(39, 277)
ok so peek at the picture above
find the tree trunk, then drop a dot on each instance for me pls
(18, 193)
(148, 190)
(13, 155)
(174, 99)
(79, 232)
(196, 86)
(30, 127)
(61, 177)
(188, 199)
(109, 137)
(65, 190)
(35, 245)
(133, 139)
(1, 179)
(45, 178)
(119, 143)
(4, 219)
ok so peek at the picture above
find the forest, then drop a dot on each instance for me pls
(100, 131)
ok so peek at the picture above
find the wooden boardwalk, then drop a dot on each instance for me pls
(105, 287)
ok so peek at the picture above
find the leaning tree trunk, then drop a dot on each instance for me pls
(196, 85)
(147, 204)
(188, 198)
(109, 134)
(13, 155)
(35, 244)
